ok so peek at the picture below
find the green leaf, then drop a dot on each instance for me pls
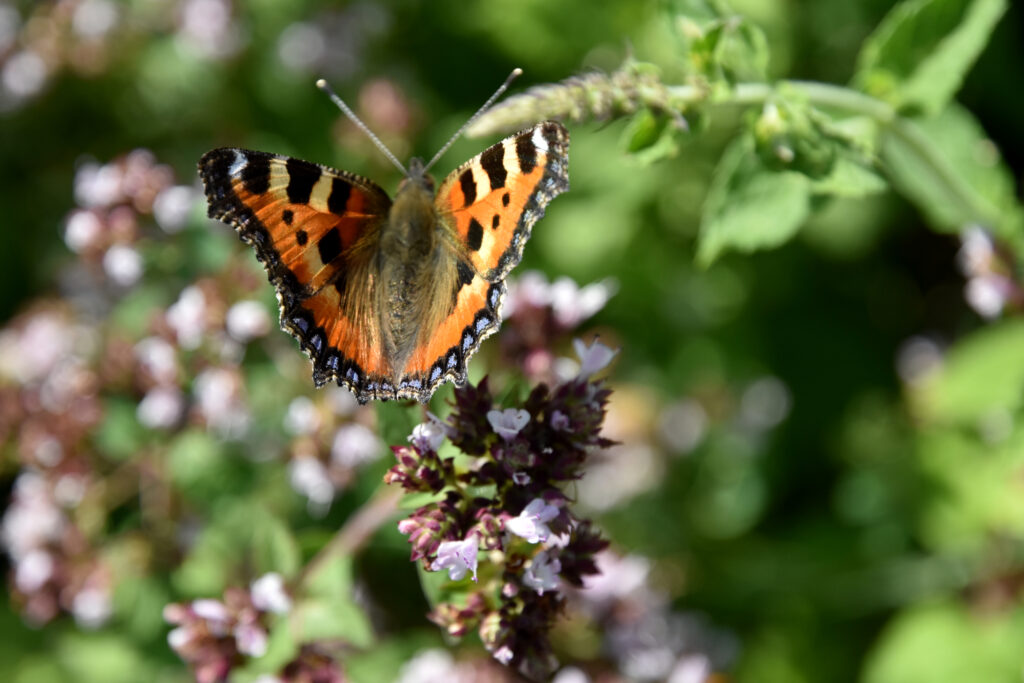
(120, 436)
(385, 660)
(138, 603)
(960, 154)
(274, 548)
(918, 56)
(978, 479)
(198, 465)
(101, 658)
(749, 207)
(324, 619)
(650, 137)
(850, 178)
(332, 578)
(983, 373)
(948, 643)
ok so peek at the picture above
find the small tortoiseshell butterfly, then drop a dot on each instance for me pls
(390, 298)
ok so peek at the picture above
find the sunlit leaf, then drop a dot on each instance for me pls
(919, 55)
(749, 207)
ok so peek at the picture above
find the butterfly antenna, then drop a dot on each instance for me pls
(322, 84)
(497, 93)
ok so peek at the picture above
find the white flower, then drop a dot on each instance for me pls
(521, 478)
(159, 358)
(977, 251)
(987, 294)
(123, 265)
(354, 444)
(507, 423)
(573, 304)
(693, 668)
(593, 358)
(458, 557)
(34, 570)
(91, 607)
(428, 436)
(214, 612)
(251, 639)
(428, 666)
(542, 574)
(560, 421)
(531, 523)
(218, 397)
(302, 417)
(504, 654)
(172, 206)
(24, 74)
(268, 594)
(94, 18)
(187, 317)
(247, 320)
(309, 477)
(161, 407)
(82, 230)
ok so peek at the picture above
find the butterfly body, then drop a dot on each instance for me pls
(389, 298)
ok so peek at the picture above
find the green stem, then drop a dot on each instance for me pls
(853, 102)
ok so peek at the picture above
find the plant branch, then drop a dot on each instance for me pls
(631, 88)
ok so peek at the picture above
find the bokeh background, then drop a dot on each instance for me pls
(797, 495)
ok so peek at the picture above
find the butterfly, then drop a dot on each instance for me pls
(390, 298)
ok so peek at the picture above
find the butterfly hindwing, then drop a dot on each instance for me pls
(314, 229)
(473, 314)
(493, 201)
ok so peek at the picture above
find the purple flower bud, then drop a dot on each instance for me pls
(560, 421)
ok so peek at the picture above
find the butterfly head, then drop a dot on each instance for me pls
(418, 176)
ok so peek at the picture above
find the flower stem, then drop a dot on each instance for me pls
(357, 530)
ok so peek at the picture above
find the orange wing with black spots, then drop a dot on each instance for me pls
(487, 208)
(315, 230)
(492, 202)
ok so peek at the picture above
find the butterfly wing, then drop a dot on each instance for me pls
(315, 230)
(487, 208)
(493, 201)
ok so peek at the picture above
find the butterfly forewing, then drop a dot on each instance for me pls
(314, 230)
(494, 200)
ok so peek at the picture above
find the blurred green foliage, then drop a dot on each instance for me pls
(876, 534)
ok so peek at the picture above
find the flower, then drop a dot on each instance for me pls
(593, 358)
(162, 406)
(457, 557)
(123, 265)
(354, 444)
(247, 320)
(542, 574)
(428, 436)
(187, 316)
(509, 422)
(310, 478)
(268, 594)
(531, 523)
